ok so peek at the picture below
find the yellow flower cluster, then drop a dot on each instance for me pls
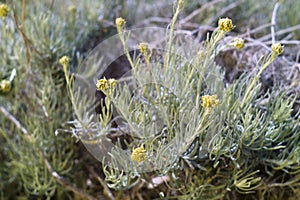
(139, 154)
(277, 49)
(225, 24)
(3, 10)
(209, 101)
(5, 86)
(120, 22)
(144, 48)
(104, 84)
(64, 60)
(238, 43)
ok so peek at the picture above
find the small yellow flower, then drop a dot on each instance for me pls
(239, 43)
(144, 48)
(225, 24)
(3, 10)
(64, 60)
(5, 86)
(139, 154)
(120, 22)
(277, 49)
(209, 101)
(102, 84)
(72, 9)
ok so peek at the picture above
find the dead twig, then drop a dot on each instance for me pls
(13, 120)
(273, 22)
(281, 32)
(198, 11)
(226, 10)
(21, 30)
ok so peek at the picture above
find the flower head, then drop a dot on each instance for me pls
(104, 84)
(139, 154)
(277, 49)
(238, 43)
(144, 48)
(3, 10)
(209, 101)
(225, 24)
(72, 9)
(120, 22)
(5, 86)
(64, 60)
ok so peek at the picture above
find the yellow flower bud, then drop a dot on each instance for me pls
(102, 84)
(5, 86)
(64, 60)
(238, 43)
(144, 48)
(209, 101)
(277, 49)
(3, 10)
(72, 9)
(120, 22)
(139, 154)
(225, 24)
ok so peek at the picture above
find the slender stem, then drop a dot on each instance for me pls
(249, 89)
(69, 89)
(174, 19)
(21, 30)
(13, 120)
(121, 35)
(23, 15)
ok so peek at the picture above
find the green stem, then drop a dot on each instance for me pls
(249, 89)
(174, 19)
(121, 35)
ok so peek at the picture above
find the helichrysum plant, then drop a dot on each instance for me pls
(185, 118)
(35, 162)
(183, 121)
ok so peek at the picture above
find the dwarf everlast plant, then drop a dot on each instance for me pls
(182, 117)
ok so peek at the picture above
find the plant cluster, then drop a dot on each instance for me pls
(173, 119)
(183, 118)
(35, 163)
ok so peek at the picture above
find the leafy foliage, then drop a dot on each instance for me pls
(245, 146)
